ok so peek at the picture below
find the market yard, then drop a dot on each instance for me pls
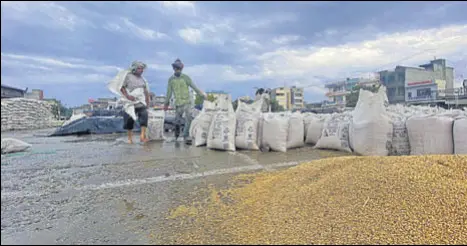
(345, 200)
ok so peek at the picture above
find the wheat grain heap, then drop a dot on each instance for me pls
(344, 200)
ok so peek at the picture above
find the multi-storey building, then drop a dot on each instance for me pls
(289, 97)
(417, 84)
(339, 90)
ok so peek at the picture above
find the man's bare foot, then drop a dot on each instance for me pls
(144, 140)
(130, 141)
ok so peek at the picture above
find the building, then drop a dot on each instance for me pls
(11, 92)
(35, 94)
(282, 96)
(296, 98)
(418, 84)
(338, 91)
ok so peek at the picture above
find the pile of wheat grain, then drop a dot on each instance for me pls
(345, 200)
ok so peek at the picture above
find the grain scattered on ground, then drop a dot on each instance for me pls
(344, 200)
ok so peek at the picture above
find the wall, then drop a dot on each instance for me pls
(26, 114)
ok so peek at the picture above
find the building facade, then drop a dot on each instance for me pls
(289, 98)
(339, 91)
(296, 98)
(35, 94)
(418, 84)
(11, 92)
(282, 95)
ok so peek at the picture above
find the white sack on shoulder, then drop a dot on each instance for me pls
(115, 86)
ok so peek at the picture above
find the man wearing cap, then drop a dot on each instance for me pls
(179, 85)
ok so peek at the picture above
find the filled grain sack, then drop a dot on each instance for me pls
(12, 145)
(199, 127)
(335, 134)
(275, 127)
(371, 129)
(460, 136)
(155, 130)
(314, 129)
(296, 131)
(248, 115)
(221, 134)
(430, 135)
(307, 118)
(400, 144)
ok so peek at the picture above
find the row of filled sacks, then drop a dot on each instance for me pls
(371, 130)
(219, 127)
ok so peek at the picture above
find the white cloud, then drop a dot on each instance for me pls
(268, 21)
(50, 63)
(40, 13)
(384, 52)
(180, 5)
(285, 39)
(127, 26)
(208, 33)
(47, 70)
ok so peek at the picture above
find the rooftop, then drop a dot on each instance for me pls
(11, 88)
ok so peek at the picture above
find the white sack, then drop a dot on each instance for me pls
(400, 138)
(430, 135)
(155, 130)
(335, 134)
(314, 129)
(221, 134)
(248, 115)
(371, 129)
(12, 145)
(275, 127)
(199, 127)
(115, 86)
(296, 132)
(460, 136)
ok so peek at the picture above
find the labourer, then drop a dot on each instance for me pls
(179, 85)
(134, 91)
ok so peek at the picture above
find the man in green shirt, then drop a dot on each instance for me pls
(179, 85)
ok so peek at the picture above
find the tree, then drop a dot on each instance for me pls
(211, 98)
(275, 107)
(352, 98)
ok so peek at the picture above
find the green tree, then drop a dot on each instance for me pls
(275, 107)
(352, 98)
(211, 98)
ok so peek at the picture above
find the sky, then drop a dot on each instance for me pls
(72, 49)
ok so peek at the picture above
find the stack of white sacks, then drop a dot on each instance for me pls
(373, 128)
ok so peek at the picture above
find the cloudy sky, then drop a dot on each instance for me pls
(71, 49)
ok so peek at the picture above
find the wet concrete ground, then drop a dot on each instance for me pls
(100, 190)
